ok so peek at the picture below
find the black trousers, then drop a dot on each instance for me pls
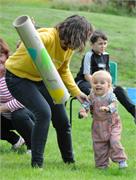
(36, 98)
(6, 132)
(123, 98)
(22, 120)
(120, 93)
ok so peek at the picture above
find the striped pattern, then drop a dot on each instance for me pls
(6, 97)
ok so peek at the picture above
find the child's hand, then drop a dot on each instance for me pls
(82, 113)
(104, 109)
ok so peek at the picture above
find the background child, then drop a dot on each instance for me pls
(106, 126)
(97, 59)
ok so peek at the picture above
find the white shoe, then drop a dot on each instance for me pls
(123, 164)
(29, 152)
(19, 143)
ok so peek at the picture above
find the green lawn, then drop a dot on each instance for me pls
(16, 166)
(122, 33)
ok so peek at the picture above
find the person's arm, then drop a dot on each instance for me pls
(108, 64)
(8, 102)
(112, 107)
(10, 106)
(14, 105)
(86, 106)
(87, 67)
(68, 80)
(88, 77)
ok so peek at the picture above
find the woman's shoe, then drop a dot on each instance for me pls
(19, 143)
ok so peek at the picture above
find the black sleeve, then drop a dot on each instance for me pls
(108, 64)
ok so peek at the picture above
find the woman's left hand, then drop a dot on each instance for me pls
(82, 97)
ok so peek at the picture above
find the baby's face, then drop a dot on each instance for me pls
(100, 46)
(100, 86)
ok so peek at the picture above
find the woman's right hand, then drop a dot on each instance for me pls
(4, 108)
(82, 97)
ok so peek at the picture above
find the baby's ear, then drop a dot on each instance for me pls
(110, 86)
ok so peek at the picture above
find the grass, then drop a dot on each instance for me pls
(122, 43)
(16, 166)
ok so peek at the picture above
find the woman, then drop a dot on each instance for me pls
(26, 85)
(14, 116)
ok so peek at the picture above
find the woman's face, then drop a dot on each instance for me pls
(63, 45)
(3, 58)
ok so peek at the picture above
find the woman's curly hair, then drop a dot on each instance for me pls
(75, 31)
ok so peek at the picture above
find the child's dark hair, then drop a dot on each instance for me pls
(75, 31)
(4, 47)
(98, 34)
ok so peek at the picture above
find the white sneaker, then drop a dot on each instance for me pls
(19, 143)
(123, 164)
(29, 152)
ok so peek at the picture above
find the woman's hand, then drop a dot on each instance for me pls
(4, 108)
(82, 97)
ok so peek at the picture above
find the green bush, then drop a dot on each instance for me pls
(100, 6)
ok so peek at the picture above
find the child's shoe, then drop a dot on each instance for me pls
(19, 143)
(123, 164)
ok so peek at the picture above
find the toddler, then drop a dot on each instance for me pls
(106, 126)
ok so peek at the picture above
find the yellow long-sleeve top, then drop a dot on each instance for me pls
(21, 64)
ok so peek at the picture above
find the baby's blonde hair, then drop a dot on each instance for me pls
(104, 74)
